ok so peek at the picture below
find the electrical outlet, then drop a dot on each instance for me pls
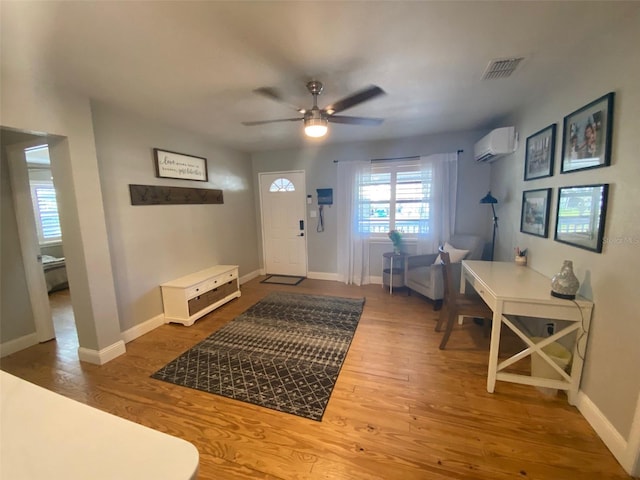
(551, 328)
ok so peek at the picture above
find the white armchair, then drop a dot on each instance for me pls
(422, 276)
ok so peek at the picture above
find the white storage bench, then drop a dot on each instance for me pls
(188, 298)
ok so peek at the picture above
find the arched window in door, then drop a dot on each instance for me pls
(282, 185)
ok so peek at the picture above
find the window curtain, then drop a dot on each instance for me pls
(353, 245)
(440, 187)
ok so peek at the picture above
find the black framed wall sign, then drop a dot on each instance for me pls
(581, 216)
(534, 218)
(586, 139)
(540, 153)
(180, 166)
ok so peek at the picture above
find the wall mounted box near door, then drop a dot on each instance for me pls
(325, 196)
(188, 298)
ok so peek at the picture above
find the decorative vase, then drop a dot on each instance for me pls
(564, 284)
(396, 249)
(521, 260)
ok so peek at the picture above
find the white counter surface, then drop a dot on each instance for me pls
(46, 435)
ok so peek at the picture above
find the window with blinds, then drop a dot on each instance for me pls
(397, 196)
(45, 208)
(43, 194)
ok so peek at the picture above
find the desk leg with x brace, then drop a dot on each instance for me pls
(516, 292)
(569, 382)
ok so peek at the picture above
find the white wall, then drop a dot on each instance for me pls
(610, 379)
(30, 105)
(154, 244)
(321, 172)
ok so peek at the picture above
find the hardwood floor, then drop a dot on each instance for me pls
(401, 409)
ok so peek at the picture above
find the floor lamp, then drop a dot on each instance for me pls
(488, 198)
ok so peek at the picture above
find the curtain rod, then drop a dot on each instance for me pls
(396, 158)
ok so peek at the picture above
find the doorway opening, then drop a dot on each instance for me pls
(41, 253)
(47, 223)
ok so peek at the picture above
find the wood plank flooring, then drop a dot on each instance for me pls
(401, 409)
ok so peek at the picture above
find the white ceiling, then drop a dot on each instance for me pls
(195, 64)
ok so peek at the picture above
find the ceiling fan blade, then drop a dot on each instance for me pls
(355, 120)
(274, 94)
(355, 99)
(269, 92)
(262, 122)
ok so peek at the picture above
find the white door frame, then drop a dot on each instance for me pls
(284, 174)
(28, 235)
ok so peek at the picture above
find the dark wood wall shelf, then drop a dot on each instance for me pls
(162, 195)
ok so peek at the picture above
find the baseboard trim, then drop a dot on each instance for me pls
(334, 277)
(142, 328)
(632, 458)
(250, 276)
(100, 357)
(615, 442)
(17, 344)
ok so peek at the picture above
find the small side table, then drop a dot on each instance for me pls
(393, 276)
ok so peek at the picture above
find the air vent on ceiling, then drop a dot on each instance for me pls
(501, 68)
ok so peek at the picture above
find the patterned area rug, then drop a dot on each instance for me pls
(284, 353)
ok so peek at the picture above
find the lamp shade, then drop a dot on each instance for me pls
(315, 123)
(315, 127)
(488, 198)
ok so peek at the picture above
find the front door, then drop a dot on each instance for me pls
(283, 208)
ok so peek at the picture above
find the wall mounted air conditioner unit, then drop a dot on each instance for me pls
(498, 142)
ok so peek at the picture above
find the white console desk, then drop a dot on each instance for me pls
(510, 289)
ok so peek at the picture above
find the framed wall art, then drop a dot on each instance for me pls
(580, 216)
(180, 166)
(534, 218)
(586, 139)
(540, 153)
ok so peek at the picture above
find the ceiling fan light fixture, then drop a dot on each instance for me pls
(315, 127)
(316, 120)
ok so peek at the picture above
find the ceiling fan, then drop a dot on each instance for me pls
(316, 119)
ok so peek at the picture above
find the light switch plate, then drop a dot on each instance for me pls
(312, 213)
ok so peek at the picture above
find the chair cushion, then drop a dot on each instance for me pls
(420, 276)
(455, 255)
